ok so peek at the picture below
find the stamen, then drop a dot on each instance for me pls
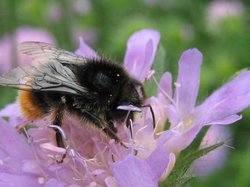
(72, 153)
(177, 86)
(228, 146)
(150, 74)
(164, 93)
(29, 138)
(227, 142)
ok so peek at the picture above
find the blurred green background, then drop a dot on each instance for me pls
(220, 29)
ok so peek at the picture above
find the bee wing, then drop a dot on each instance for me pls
(44, 52)
(47, 77)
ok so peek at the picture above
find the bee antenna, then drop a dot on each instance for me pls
(152, 113)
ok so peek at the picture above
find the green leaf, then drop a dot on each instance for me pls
(160, 62)
(181, 174)
(196, 142)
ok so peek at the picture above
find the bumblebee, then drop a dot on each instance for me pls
(62, 82)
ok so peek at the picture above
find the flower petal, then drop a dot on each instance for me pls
(173, 116)
(85, 51)
(134, 172)
(188, 81)
(159, 160)
(159, 106)
(110, 182)
(11, 110)
(11, 180)
(9, 136)
(165, 85)
(180, 140)
(140, 54)
(230, 99)
(53, 182)
(227, 120)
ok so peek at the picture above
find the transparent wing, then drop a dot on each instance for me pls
(47, 77)
(44, 52)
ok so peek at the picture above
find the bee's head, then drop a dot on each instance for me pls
(131, 100)
(131, 93)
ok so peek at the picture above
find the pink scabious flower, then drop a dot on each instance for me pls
(91, 159)
(185, 117)
(8, 46)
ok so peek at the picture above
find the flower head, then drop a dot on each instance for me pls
(221, 108)
(92, 159)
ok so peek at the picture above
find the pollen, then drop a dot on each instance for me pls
(188, 123)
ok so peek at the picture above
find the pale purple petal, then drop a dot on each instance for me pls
(180, 140)
(188, 81)
(159, 160)
(230, 99)
(173, 115)
(110, 182)
(13, 113)
(134, 172)
(86, 51)
(227, 120)
(164, 137)
(165, 85)
(159, 106)
(140, 54)
(53, 182)
(11, 110)
(13, 180)
(17, 141)
(172, 160)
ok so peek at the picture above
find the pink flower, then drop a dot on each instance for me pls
(92, 160)
(141, 51)
(220, 108)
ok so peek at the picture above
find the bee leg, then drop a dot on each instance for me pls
(108, 128)
(58, 121)
(57, 118)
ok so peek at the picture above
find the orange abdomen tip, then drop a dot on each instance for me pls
(29, 107)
